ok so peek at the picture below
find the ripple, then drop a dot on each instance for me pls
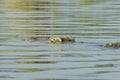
(92, 23)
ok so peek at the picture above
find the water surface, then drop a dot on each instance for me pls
(91, 22)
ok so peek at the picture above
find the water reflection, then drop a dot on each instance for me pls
(26, 25)
(5, 77)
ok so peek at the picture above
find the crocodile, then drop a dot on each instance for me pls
(112, 45)
(54, 39)
(62, 39)
(71, 39)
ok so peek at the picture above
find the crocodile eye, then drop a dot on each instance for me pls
(55, 40)
(58, 40)
(110, 44)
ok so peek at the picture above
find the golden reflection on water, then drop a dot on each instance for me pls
(86, 19)
(26, 16)
(21, 70)
(89, 2)
(17, 4)
(29, 17)
(30, 70)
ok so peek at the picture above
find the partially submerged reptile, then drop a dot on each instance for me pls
(113, 45)
(65, 39)
(56, 40)
(62, 39)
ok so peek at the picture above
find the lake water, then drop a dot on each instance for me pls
(91, 22)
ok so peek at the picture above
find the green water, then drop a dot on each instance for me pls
(91, 22)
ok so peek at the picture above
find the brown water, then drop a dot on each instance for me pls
(91, 22)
